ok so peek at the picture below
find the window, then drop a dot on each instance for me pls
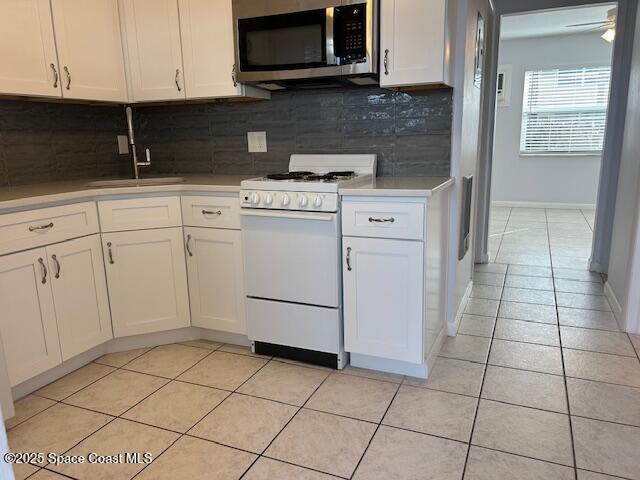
(564, 111)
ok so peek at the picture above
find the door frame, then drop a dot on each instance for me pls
(610, 160)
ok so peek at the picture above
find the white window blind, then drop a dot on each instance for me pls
(564, 110)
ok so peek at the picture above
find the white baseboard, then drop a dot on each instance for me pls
(122, 344)
(615, 305)
(576, 206)
(452, 327)
(418, 370)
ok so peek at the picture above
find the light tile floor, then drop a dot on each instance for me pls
(538, 384)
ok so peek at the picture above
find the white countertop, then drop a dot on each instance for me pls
(25, 196)
(399, 187)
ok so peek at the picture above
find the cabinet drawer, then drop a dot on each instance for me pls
(139, 213)
(34, 228)
(213, 211)
(383, 220)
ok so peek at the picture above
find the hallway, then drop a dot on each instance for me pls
(561, 384)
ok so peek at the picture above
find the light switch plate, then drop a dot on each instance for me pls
(123, 144)
(257, 141)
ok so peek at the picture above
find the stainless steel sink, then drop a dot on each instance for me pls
(132, 182)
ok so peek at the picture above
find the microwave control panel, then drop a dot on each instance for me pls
(351, 33)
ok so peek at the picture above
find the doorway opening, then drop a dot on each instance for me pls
(554, 75)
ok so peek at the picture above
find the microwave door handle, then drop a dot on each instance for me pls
(329, 35)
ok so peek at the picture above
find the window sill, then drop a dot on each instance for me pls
(561, 154)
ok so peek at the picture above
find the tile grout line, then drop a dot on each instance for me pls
(484, 375)
(564, 371)
(209, 412)
(364, 452)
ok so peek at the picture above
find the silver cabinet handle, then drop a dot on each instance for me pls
(187, 245)
(386, 61)
(57, 263)
(349, 259)
(233, 76)
(34, 228)
(110, 253)
(177, 82)
(211, 212)
(66, 71)
(55, 75)
(44, 270)
(381, 220)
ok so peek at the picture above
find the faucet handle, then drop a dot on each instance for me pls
(147, 154)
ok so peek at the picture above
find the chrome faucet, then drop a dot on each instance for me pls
(132, 145)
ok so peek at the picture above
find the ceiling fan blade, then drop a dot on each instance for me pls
(587, 24)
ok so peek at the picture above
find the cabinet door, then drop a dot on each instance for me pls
(207, 46)
(28, 65)
(214, 263)
(412, 42)
(90, 49)
(383, 297)
(153, 45)
(147, 279)
(27, 317)
(79, 294)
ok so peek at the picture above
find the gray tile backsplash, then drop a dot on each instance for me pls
(42, 142)
(410, 132)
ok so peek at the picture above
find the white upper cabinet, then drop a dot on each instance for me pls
(27, 316)
(415, 44)
(28, 61)
(80, 294)
(208, 52)
(214, 264)
(90, 49)
(207, 48)
(154, 50)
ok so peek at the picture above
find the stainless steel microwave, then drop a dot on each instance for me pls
(284, 42)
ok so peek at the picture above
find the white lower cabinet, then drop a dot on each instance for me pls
(27, 315)
(383, 297)
(216, 291)
(80, 296)
(53, 304)
(147, 279)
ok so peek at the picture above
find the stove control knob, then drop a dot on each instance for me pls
(304, 201)
(255, 199)
(268, 199)
(285, 200)
(317, 203)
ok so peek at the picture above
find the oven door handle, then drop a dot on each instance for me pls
(327, 217)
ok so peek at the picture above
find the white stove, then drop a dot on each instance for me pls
(291, 241)
(311, 184)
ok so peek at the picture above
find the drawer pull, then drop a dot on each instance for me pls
(381, 220)
(188, 246)
(211, 212)
(110, 253)
(40, 227)
(57, 263)
(44, 270)
(349, 259)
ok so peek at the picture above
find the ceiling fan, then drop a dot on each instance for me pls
(609, 25)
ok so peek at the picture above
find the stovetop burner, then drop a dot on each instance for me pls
(288, 175)
(301, 176)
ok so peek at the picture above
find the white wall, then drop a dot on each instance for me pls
(624, 263)
(465, 145)
(542, 179)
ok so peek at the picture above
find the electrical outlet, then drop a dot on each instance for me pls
(123, 144)
(257, 141)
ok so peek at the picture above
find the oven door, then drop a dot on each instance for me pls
(291, 256)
